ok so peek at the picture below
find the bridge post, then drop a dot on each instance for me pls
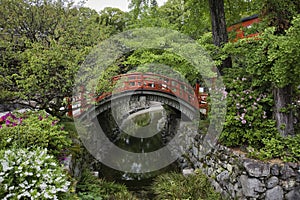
(69, 107)
(197, 88)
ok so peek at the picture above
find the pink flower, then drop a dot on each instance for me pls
(4, 117)
(265, 115)
(224, 93)
(7, 122)
(243, 115)
(54, 122)
(40, 118)
(13, 116)
(244, 79)
(244, 121)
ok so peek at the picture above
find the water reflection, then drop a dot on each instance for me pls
(141, 132)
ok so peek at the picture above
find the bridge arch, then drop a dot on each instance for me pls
(153, 87)
(188, 111)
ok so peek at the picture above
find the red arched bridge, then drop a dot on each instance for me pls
(153, 87)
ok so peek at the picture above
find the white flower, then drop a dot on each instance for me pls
(39, 162)
(53, 190)
(25, 194)
(8, 152)
(28, 173)
(18, 161)
(47, 196)
(43, 186)
(9, 195)
(5, 165)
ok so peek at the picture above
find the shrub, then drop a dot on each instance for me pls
(249, 117)
(33, 129)
(90, 187)
(284, 148)
(31, 174)
(176, 186)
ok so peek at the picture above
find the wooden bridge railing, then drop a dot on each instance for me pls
(154, 82)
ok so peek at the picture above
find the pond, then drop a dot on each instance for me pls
(140, 132)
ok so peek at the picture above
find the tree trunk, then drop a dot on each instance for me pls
(284, 117)
(219, 30)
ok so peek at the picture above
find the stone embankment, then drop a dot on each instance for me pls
(238, 177)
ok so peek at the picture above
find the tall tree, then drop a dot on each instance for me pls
(113, 18)
(42, 45)
(219, 29)
(139, 6)
(279, 14)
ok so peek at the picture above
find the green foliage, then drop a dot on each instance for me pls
(42, 49)
(190, 17)
(37, 129)
(27, 174)
(259, 66)
(176, 186)
(284, 53)
(140, 60)
(90, 187)
(279, 13)
(113, 18)
(248, 119)
(284, 148)
(238, 9)
(143, 120)
(105, 80)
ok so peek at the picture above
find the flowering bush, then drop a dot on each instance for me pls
(26, 174)
(249, 113)
(33, 129)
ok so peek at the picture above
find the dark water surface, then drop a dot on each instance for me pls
(140, 134)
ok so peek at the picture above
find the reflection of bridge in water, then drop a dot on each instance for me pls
(146, 87)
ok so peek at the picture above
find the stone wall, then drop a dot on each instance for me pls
(238, 177)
